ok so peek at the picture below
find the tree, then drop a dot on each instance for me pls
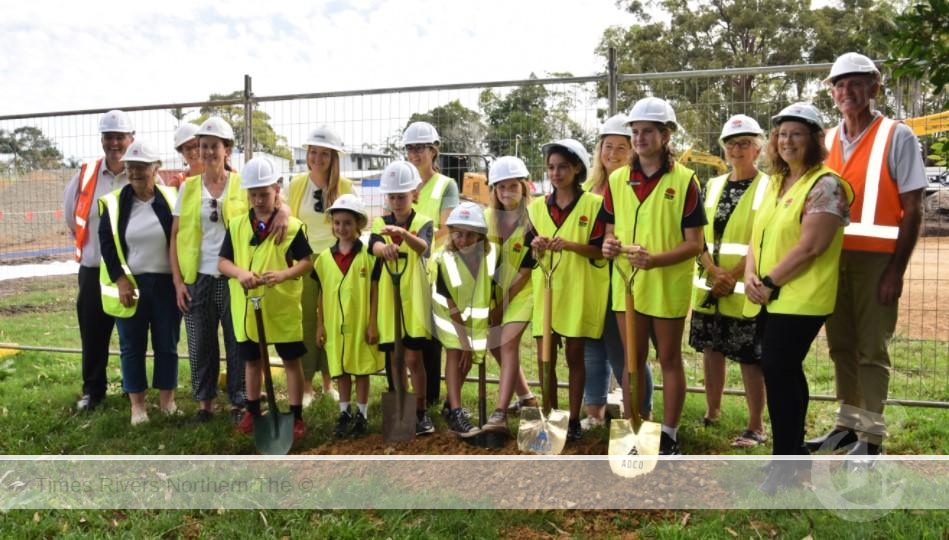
(459, 128)
(31, 149)
(179, 114)
(264, 136)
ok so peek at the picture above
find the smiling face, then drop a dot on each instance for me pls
(191, 153)
(649, 139)
(509, 193)
(114, 145)
(742, 151)
(319, 159)
(615, 151)
(793, 142)
(463, 239)
(560, 171)
(852, 94)
(420, 155)
(141, 172)
(214, 152)
(345, 225)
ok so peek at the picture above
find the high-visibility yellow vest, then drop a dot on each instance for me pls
(511, 252)
(471, 296)
(777, 229)
(322, 237)
(733, 244)
(188, 241)
(414, 286)
(577, 312)
(108, 288)
(655, 224)
(430, 198)
(282, 314)
(345, 308)
(600, 284)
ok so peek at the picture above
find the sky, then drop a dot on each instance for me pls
(58, 55)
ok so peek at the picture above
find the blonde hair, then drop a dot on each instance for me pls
(495, 203)
(599, 176)
(332, 183)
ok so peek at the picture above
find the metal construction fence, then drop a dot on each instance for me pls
(477, 121)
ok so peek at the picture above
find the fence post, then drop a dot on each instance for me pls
(248, 120)
(611, 80)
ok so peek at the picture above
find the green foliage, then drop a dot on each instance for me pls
(459, 128)
(940, 152)
(919, 43)
(264, 136)
(31, 149)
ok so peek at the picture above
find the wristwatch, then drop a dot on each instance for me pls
(767, 282)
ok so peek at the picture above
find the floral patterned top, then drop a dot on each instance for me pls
(828, 197)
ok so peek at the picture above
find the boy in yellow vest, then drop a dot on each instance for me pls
(262, 267)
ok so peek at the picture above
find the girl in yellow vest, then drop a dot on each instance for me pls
(507, 222)
(791, 274)
(311, 194)
(189, 148)
(606, 355)
(461, 295)
(258, 265)
(346, 324)
(718, 329)
(436, 196)
(563, 226)
(403, 231)
(658, 211)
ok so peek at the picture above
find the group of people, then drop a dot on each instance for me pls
(762, 261)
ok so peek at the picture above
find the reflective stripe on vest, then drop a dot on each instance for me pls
(414, 285)
(471, 296)
(108, 289)
(430, 198)
(190, 236)
(85, 198)
(876, 211)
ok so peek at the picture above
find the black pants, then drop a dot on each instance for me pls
(785, 342)
(431, 360)
(95, 331)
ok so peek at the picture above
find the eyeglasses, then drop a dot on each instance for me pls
(744, 144)
(415, 148)
(187, 148)
(318, 201)
(213, 217)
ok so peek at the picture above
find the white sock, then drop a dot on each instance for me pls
(364, 409)
(343, 406)
(528, 395)
(670, 431)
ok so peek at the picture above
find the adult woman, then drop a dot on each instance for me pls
(791, 273)
(187, 145)
(311, 194)
(658, 211)
(137, 289)
(718, 292)
(564, 231)
(437, 195)
(604, 355)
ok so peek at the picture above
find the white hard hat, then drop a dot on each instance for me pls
(804, 112)
(324, 137)
(740, 124)
(350, 203)
(141, 152)
(185, 133)
(505, 168)
(259, 172)
(572, 146)
(653, 109)
(468, 215)
(115, 121)
(616, 125)
(851, 63)
(216, 127)
(399, 177)
(419, 133)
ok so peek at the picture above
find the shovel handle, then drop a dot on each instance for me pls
(546, 347)
(265, 359)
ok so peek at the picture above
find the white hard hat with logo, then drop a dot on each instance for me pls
(141, 152)
(419, 133)
(324, 137)
(468, 215)
(803, 112)
(740, 124)
(574, 147)
(350, 203)
(216, 127)
(259, 172)
(653, 109)
(617, 124)
(115, 121)
(184, 134)
(849, 64)
(399, 177)
(505, 168)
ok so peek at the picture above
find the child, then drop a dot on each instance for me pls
(346, 318)
(251, 258)
(464, 273)
(403, 231)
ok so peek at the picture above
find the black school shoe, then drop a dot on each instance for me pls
(668, 446)
(87, 403)
(837, 439)
(360, 426)
(574, 431)
(342, 424)
(423, 424)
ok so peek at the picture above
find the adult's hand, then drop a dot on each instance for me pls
(127, 294)
(182, 296)
(891, 285)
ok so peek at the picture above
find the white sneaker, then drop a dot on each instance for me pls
(139, 418)
(590, 422)
(307, 399)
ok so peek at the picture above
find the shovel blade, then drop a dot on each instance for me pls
(273, 438)
(633, 454)
(398, 418)
(488, 439)
(542, 435)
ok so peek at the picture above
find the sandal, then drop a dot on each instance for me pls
(749, 439)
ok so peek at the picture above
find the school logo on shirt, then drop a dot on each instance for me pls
(517, 247)
(584, 221)
(670, 193)
(788, 201)
(362, 271)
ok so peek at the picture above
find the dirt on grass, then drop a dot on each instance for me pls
(441, 443)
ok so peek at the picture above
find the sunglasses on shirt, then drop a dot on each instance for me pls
(213, 217)
(318, 201)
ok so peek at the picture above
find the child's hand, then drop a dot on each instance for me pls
(320, 336)
(464, 363)
(393, 231)
(372, 334)
(272, 277)
(248, 279)
(540, 244)
(390, 252)
(557, 244)
(611, 247)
